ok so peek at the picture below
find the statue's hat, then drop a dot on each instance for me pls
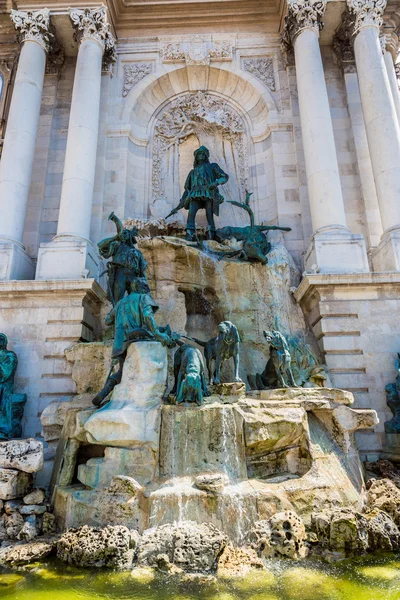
(202, 149)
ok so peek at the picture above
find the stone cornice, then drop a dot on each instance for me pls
(92, 23)
(301, 15)
(33, 26)
(313, 283)
(367, 13)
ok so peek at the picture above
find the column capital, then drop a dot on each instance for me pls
(302, 15)
(33, 26)
(366, 13)
(92, 23)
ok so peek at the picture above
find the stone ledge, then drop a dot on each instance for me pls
(41, 287)
(344, 279)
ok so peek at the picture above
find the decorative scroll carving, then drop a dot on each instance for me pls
(92, 23)
(302, 14)
(34, 26)
(197, 51)
(134, 73)
(367, 12)
(263, 69)
(192, 114)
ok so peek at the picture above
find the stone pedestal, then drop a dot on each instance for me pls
(14, 262)
(132, 416)
(337, 250)
(68, 258)
(386, 257)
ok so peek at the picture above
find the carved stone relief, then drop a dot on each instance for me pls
(196, 51)
(33, 25)
(367, 12)
(263, 69)
(93, 23)
(213, 122)
(133, 73)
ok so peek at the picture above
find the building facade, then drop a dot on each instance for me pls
(102, 108)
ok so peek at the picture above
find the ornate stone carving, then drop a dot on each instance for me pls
(397, 69)
(34, 26)
(197, 51)
(366, 12)
(172, 53)
(93, 23)
(55, 60)
(343, 46)
(302, 14)
(134, 73)
(189, 115)
(263, 69)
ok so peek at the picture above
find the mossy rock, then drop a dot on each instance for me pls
(143, 575)
(255, 581)
(306, 584)
(380, 573)
(10, 579)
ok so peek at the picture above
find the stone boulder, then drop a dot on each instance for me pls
(20, 553)
(187, 545)
(351, 533)
(23, 455)
(284, 534)
(383, 533)
(112, 546)
(36, 496)
(14, 484)
(384, 495)
(237, 562)
(213, 483)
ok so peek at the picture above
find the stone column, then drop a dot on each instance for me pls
(344, 55)
(333, 248)
(20, 141)
(71, 255)
(390, 47)
(382, 126)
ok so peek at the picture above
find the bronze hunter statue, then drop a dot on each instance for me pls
(11, 405)
(133, 321)
(201, 192)
(127, 262)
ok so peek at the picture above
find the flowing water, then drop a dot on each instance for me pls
(368, 578)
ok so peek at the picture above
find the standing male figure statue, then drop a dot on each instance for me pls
(127, 262)
(133, 320)
(201, 191)
(11, 405)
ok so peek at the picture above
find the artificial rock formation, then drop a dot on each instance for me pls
(188, 545)
(112, 546)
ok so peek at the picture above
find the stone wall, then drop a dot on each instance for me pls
(125, 150)
(355, 320)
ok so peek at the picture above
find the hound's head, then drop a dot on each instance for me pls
(190, 389)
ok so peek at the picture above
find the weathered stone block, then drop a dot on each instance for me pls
(139, 463)
(24, 455)
(14, 484)
(133, 414)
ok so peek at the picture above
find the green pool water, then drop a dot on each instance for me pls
(372, 578)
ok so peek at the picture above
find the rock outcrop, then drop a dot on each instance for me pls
(282, 535)
(384, 495)
(112, 546)
(20, 554)
(187, 545)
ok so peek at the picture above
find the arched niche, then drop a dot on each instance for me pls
(242, 127)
